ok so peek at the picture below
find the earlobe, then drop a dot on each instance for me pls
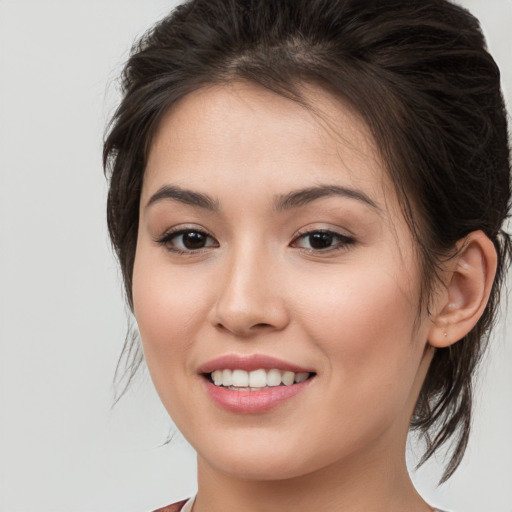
(468, 286)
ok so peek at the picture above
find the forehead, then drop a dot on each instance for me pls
(241, 132)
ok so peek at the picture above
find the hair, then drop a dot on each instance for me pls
(419, 74)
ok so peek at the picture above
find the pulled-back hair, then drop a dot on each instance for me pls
(419, 74)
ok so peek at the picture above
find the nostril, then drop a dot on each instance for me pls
(240, 331)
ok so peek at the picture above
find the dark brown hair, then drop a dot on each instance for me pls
(417, 71)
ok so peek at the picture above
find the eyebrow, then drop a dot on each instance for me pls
(288, 201)
(189, 197)
(307, 195)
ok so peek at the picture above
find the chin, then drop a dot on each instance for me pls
(259, 466)
(260, 455)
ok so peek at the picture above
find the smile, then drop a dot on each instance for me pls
(256, 380)
(250, 384)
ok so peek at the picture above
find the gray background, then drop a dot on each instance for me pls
(62, 315)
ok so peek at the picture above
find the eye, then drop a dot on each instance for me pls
(187, 240)
(322, 241)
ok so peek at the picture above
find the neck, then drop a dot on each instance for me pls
(369, 484)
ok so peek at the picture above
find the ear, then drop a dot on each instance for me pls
(468, 282)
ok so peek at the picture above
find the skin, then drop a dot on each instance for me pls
(350, 312)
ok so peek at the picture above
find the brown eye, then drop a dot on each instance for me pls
(322, 240)
(187, 240)
(194, 240)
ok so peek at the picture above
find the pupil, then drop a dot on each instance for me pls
(320, 240)
(194, 240)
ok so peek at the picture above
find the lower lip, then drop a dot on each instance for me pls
(252, 402)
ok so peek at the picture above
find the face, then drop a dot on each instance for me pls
(273, 259)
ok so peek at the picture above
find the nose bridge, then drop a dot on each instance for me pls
(250, 299)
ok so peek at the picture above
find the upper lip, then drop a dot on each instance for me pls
(250, 363)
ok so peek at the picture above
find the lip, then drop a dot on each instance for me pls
(251, 402)
(250, 363)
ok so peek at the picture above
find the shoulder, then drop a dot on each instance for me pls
(175, 507)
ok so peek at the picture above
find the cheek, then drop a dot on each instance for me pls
(359, 303)
(167, 305)
(365, 330)
(364, 323)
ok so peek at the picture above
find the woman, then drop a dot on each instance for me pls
(307, 200)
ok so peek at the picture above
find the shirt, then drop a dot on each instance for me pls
(186, 506)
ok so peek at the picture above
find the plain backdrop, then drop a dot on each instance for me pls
(62, 313)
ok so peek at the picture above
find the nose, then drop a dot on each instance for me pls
(251, 298)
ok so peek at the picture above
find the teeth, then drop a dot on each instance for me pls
(288, 378)
(227, 378)
(258, 379)
(242, 380)
(217, 377)
(301, 377)
(273, 378)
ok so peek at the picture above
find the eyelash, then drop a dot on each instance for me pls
(168, 237)
(343, 241)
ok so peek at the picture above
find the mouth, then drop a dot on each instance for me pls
(248, 384)
(256, 380)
